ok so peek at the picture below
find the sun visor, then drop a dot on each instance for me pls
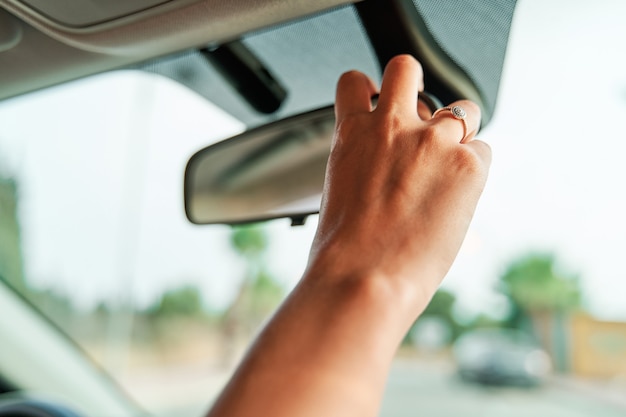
(84, 13)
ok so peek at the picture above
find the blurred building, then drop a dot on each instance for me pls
(597, 348)
(582, 345)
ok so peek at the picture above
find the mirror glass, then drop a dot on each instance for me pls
(276, 170)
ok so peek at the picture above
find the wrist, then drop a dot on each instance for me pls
(399, 299)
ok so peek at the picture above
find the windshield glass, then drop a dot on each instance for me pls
(94, 234)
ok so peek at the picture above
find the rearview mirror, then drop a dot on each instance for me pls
(276, 170)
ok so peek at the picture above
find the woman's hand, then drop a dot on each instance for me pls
(401, 188)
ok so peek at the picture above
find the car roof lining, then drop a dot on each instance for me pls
(86, 13)
(306, 54)
(48, 53)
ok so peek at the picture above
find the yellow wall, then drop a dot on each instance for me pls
(598, 348)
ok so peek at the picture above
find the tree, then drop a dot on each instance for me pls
(441, 308)
(258, 294)
(533, 283)
(183, 301)
(250, 241)
(440, 305)
(540, 295)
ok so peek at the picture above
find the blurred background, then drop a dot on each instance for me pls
(531, 319)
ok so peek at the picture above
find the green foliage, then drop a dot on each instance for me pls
(259, 294)
(265, 295)
(249, 240)
(441, 306)
(533, 283)
(10, 247)
(256, 300)
(483, 321)
(54, 305)
(183, 301)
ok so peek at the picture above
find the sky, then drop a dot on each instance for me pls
(100, 166)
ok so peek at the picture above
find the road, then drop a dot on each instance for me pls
(416, 388)
(423, 388)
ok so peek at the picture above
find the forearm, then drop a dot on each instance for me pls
(326, 352)
(399, 195)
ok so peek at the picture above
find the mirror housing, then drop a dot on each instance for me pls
(276, 170)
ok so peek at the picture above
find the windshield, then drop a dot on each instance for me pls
(94, 234)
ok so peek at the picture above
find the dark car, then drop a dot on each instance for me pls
(501, 357)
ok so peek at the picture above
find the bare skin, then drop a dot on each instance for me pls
(400, 193)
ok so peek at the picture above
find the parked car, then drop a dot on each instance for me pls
(501, 357)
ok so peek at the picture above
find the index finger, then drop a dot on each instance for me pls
(354, 94)
(402, 80)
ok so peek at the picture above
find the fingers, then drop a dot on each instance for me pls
(402, 80)
(460, 125)
(354, 92)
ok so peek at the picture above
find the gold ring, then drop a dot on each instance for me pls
(458, 113)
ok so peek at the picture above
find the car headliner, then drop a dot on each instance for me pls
(37, 51)
(43, 44)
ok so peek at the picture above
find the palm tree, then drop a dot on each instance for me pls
(258, 294)
(541, 296)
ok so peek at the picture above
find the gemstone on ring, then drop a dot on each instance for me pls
(458, 112)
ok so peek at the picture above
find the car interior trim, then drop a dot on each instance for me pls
(25, 361)
(171, 26)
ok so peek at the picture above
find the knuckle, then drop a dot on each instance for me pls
(432, 133)
(347, 129)
(388, 127)
(468, 161)
(350, 124)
